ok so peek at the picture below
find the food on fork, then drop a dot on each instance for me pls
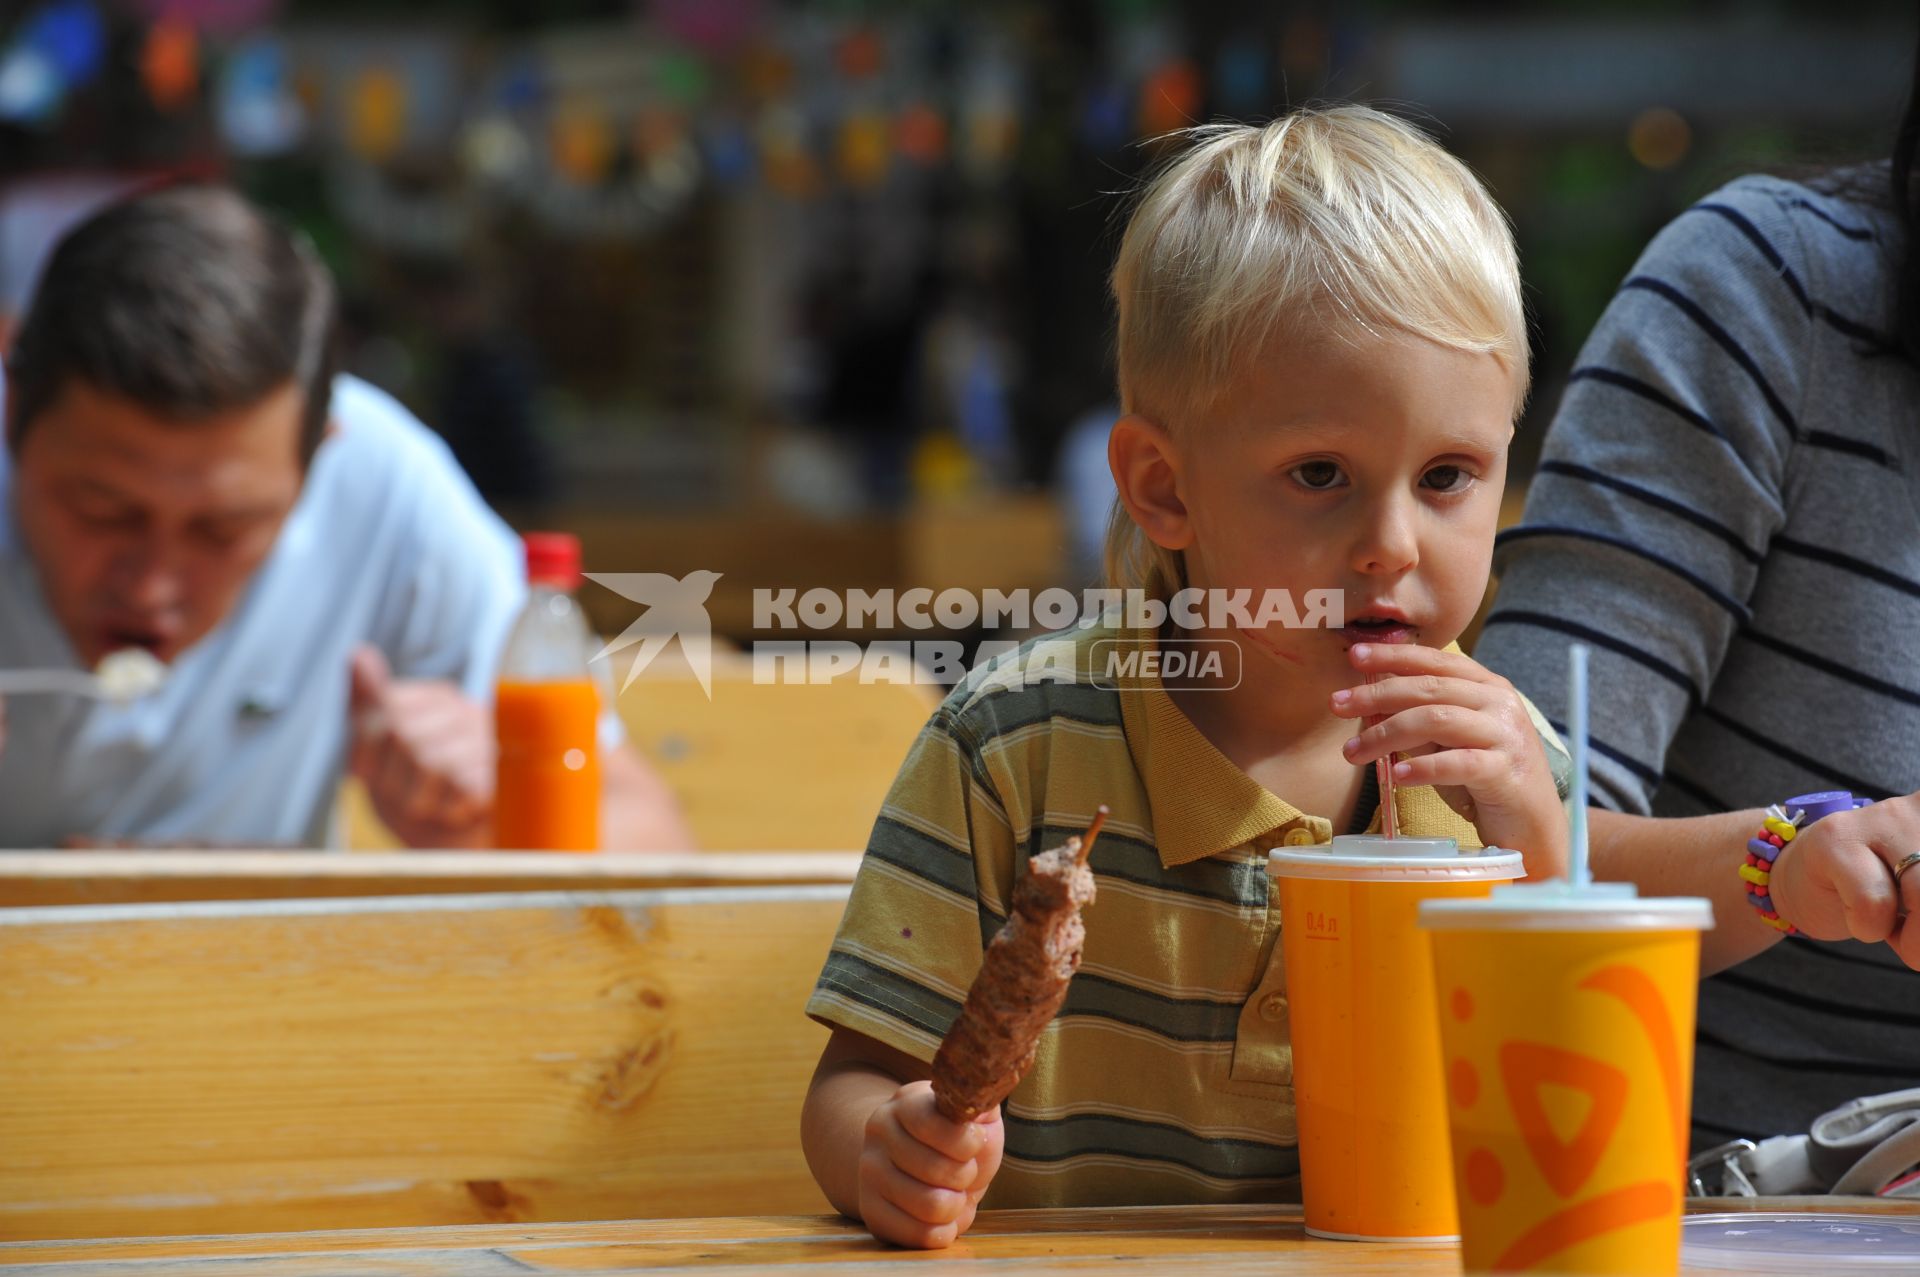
(128, 674)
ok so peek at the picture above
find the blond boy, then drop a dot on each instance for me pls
(1322, 354)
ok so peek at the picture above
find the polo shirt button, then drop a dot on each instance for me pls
(1300, 836)
(1273, 1008)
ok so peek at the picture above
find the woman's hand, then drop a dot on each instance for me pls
(1835, 879)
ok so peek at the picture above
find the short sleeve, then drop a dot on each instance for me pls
(1660, 488)
(914, 931)
(456, 578)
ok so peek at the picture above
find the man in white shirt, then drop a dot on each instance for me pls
(184, 472)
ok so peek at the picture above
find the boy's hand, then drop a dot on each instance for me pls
(922, 1175)
(1465, 731)
(1835, 879)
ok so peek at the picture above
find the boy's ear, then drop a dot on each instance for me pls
(1146, 470)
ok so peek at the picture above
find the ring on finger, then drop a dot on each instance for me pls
(1906, 862)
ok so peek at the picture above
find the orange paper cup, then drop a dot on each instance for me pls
(1567, 1019)
(1366, 1049)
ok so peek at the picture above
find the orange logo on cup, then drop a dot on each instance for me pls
(1567, 1163)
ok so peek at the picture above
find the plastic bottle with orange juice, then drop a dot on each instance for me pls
(546, 712)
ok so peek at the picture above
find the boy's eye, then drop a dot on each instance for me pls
(1317, 475)
(1445, 479)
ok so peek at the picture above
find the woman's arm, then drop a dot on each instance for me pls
(1834, 882)
(1694, 856)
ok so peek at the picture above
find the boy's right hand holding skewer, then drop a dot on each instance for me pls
(885, 1155)
(922, 1175)
(911, 1147)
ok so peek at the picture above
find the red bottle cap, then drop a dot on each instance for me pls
(553, 560)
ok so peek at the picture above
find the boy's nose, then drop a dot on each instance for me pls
(1388, 544)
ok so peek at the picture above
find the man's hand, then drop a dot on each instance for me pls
(1464, 730)
(1835, 879)
(424, 752)
(921, 1174)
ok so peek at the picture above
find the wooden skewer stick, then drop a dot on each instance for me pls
(1093, 831)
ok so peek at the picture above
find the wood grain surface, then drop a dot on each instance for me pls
(1234, 1241)
(274, 1065)
(132, 877)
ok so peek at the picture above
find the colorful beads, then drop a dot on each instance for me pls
(1763, 849)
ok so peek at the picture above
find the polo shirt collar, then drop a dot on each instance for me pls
(1202, 804)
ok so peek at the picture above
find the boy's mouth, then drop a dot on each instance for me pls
(1378, 627)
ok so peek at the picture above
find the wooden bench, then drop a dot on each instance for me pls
(132, 877)
(296, 1064)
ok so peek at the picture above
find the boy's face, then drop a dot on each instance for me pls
(1373, 466)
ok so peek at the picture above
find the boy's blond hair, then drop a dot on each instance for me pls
(1324, 221)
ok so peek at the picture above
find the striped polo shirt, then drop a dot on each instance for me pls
(1729, 510)
(1167, 1076)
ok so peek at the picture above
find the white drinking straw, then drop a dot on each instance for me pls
(1579, 873)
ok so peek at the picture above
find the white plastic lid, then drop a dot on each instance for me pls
(1371, 858)
(1560, 906)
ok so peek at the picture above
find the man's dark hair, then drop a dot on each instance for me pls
(187, 300)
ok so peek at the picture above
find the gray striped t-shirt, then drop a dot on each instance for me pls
(1728, 509)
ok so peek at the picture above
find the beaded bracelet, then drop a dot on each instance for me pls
(1782, 824)
(1776, 831)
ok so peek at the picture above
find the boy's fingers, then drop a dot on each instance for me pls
(988, 1167)
(1463, 767)
(891, 1224)
(993, 1140)
(1445, 726)
(957, 1140)
(1403, 692)
(1411, 658)
(928, 1165)
(924, 1202)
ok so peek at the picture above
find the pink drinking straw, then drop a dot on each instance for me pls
(1383, 768)
(1383, 772)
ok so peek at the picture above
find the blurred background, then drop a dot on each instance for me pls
(812, 294)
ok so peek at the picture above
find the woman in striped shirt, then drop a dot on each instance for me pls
(1728, 509)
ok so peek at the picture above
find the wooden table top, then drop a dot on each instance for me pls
(1222, 1241)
